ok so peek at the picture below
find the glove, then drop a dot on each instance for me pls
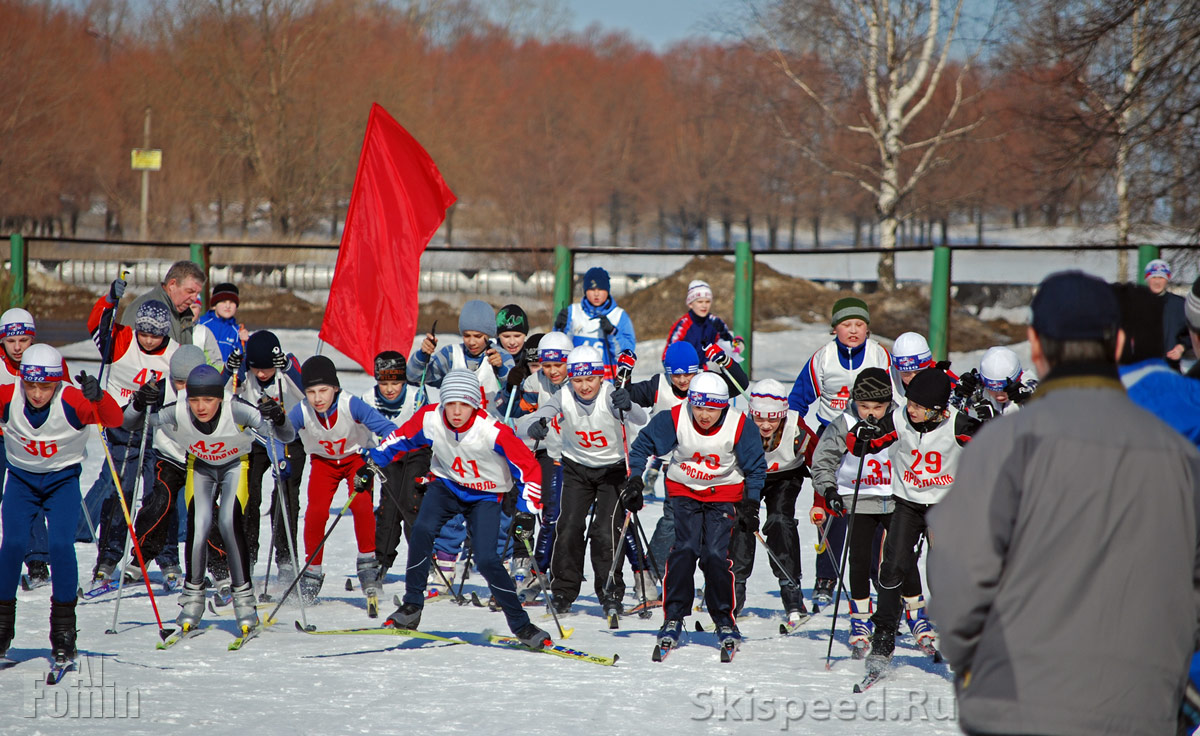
(234, 362)
(1018, 392)
(285, 468)
(816, 515)
(631, 494)
(714, 354)
(651, 476)
(271, 410)
(539, 429)
(866, 430)
(625, 362)
(148, 395)
(605, 326)
(968, 384)
(739, 344)
(984, 410)
(516, 376)
(89, 386)
(117, 290)
(621, 400)
(834, 501)
(508, 504)
(748, 516)
(523, 525)
(363, 478)
(560, 322)
(278, 359)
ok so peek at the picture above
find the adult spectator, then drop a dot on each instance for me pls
(180, 290)
(1174, 327)
(1064, 576)
(1191, 311)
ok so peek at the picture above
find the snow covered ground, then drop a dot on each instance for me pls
(287, 682)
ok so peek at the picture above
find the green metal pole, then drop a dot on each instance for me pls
(939, 304)
(198, 254)
(1146, 253)
(743, 301)
(564, 277)
(18, 264)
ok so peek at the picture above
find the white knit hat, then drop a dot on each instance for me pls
(998, 366)
(698, 290)
(585, 360)
(16, 321)
(41, 363)
(461, 385)
(911, 352)
(768, 399)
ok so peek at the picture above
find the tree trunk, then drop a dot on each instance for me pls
(702, 226)
(614, 219)
(857, 231)
(633, 228)
(887, 260)
(662, 228)
(772, 232)
(979, 227)
(727, 230)
(450, 223)
(816, 229)
(792, 232)
(749, 231)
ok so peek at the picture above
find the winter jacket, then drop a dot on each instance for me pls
(1065, 575)
(1167, 395)
(699, 331)
(225, 331)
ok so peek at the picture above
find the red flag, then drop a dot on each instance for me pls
(398, 202)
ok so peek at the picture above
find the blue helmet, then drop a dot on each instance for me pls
(681, 357)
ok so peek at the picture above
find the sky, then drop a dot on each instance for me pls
(658, 22)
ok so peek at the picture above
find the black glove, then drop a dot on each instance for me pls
(524, 525)
(605, 326)
(984, 410)
(539, 429)
(279, 359)
(508, 504)
(621, 400)
(234, 361)
(560, 322)
(1019, 393)
(968, 384)
(631, 494)
(866, 430)
(271, 410)
(942, 365)
(363, 478)
(833, 500)
(516, 376)
(89, 386)
(748, 516)
(117, 290)
(148, 395)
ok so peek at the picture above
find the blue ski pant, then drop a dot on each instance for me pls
(30, 496)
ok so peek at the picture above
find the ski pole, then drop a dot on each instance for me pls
(281, 499)
(618, 555)
(419, 400)
(137, 493)
(736, 385)
(545, 586)
(849, 531)
(646, 544)
(823, 545)
(778, 564)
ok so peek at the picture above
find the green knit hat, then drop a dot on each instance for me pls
(850, 307)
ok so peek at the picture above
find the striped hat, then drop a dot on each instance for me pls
(768, 399)
(850, 307)
(998, 366)
(585, 360)
(554, 347)
(1157, 268)
(461, 385)
(698, 290)
(709, 391)
(16, 321)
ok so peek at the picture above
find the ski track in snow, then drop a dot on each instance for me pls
(287, 682)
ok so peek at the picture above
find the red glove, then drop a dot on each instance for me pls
(714, 354)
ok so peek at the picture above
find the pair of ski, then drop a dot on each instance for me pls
(664, 647)
(876, 671)
(486, 639)
(58, 668)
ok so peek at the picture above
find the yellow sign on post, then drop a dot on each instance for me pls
(147, 159)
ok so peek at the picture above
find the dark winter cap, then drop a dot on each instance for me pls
(1191, 307)
(318, 371)
(930, 388)
(224, 292)
(204, 380)
(511, 318)
(390, 366)
(185, 360)
(596, 278)
(153, 318)
(477, 316)
(531, 348)
(850, 307)
(1072, 305)
(872, 384)
(261, 348)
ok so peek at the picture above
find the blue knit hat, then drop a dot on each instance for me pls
(204, 380)
(596, 278)
(153, 318)
(477, 316)
(461, 385)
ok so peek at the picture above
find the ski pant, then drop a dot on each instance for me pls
(483, 523)
(399, 501)
(664, 535)
(783, 539)
(702, 532)
(226, 485)
(325, 475)
(584, 487)
(293, 456)
(899, 560)
(101, 501)
(29, 497)
(865, 548)
(38, 542)
(552, 478)
(157, 517)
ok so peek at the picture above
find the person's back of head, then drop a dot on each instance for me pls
(1076, 319)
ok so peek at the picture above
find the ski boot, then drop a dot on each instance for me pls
(822, 593)
(172, 574)
(561, 605)
(132, 574)
(522, 577)
(310, 584)
(729, 639)
(612, 612)
(861, 627)
(441, 575)
(244, 607)
(739, 597)
(883, 644)
(369, 581)
(38, 574)
(532, 636)
(103, 571)
(222, 592)
(191, 600)
(668, 639)
(407, 616)
(918, 624)
(62, 630)
(286, 573)
(8, 620)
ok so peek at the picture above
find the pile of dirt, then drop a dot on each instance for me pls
(780, 300)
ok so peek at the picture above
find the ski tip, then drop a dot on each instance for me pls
(857, 689)
(299, 627)
(164, 634)
(783, 629)
(699, 626)
(110, 632)
(349, 585)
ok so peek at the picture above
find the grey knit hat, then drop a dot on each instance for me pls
(461, 385)
(1191, 307)
(477, 316)
(184, 360)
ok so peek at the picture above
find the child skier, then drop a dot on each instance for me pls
(45, 434)
(215, 430)
(699, 326)
(596, 320)
(924, 440)
(336, 427)
(476, 459)
(591, 415)
(998, 387)
(787, 446)
(716, 461)
(476, 353)
(221, 319)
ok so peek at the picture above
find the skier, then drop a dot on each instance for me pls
(596, 320)
(716, 461)
(999, 386)
(477, 353)
(910, 355)
(699, 326)
(476, 459)
(45, 435)
(591, 413)
(336, 427)
(221, 319)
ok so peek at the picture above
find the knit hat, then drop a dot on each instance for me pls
(1191, 307)
(531, 348)
(585, 360)
(16, 321)
(1157, 268)
(318, 371)
(41, 364)
(462, 385)
(204, 380)
(477, 316)
(768, 399)
(153, 318)
(930, 388)
(390, 366)
(185, 360)
(850, 307)
(224, 292)
(554, 348)
(911, 352)
(698, 290)
(261, 348)
(709, 391)
(874, 384)
(1072, 305)
(596, 278)
(681, 357)
(511, 318)
(998, 366)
